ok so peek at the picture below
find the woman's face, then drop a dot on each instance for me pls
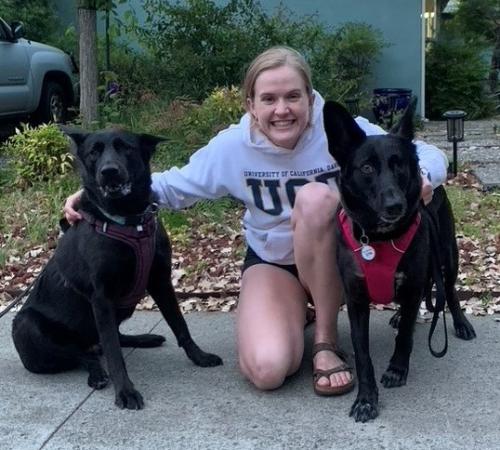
(281, 105)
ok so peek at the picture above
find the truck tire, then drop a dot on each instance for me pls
(53, 105)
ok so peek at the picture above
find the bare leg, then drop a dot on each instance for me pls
(315, 246)
(270, 325)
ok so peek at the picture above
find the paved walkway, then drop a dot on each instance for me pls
(480, 148)
(448, 403)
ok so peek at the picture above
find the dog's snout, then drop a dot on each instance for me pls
(392, 204)
(109, 170)
(394, 209)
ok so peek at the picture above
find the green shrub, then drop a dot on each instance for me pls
(38, 16)
(341, 59)
(221, 108)
(191, 126)
(455, 79)
(38, 154)
(200, 44)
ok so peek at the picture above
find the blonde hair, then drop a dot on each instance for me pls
(273, 58)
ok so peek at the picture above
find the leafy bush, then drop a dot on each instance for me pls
(198, 45)
(38, 16)
(455, 79)
(191, 126)
(38, 154)
(341, 60)
(221, 108)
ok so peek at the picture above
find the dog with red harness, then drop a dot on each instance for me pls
(390, 247)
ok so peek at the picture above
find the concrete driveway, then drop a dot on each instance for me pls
(448, 403)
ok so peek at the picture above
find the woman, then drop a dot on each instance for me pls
(276, 162)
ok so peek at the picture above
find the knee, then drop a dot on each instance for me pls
(265, 372)
(315, 206)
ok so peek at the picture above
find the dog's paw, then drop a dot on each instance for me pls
(364, 409)
(98, 380)
(201, 358)
(129, 398)
(208, 360)
(394, 377)
(464, 330)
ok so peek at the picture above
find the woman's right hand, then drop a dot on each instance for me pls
(71, 206)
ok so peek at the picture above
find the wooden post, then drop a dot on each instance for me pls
(87, 22)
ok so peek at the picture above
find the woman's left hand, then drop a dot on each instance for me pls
(427, 190)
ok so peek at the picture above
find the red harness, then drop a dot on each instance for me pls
(142, 240)
(379, 272)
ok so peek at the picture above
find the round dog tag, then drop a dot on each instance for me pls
(367, 252)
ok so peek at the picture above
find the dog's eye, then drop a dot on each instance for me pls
(366, 169)
(96, 149)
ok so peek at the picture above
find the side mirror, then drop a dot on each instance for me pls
(17, 29)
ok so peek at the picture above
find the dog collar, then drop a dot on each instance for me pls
(377, 260)
(132, 220)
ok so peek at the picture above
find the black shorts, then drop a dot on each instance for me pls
(251, 258)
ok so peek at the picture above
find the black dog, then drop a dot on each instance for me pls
(101, 269)
(381, 215)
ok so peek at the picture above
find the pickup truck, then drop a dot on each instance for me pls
(36, 80)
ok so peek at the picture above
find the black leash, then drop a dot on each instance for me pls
(18, 298)
(437, 277)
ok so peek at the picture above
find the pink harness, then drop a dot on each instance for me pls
(379, 267)
(142, 240)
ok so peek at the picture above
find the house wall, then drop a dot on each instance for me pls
(401, 63)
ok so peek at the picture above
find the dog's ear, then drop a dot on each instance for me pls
(342, 131)
(76, 135)
(405, 128)
(148, 143)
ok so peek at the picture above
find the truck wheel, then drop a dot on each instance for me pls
(53, 105)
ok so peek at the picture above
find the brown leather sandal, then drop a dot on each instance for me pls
(318, 373)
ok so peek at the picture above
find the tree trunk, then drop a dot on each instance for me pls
(87, 23)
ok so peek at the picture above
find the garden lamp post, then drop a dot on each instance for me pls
(352, 105)
(455, 132)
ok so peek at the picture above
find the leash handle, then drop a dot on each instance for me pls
(437, 276)
(440, 306)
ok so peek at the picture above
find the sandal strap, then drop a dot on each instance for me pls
(321, 346)
(318, 373)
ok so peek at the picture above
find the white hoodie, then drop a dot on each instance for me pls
(241, 162)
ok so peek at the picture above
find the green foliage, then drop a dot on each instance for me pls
(479, 22)
(455, 74)
(190, 126)
(38, 154)
(221, 108)
(476, 215)
(30, 217)
(480, 19)
(341, 60)
(200, 44)
(38, 16)
(67, 41)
